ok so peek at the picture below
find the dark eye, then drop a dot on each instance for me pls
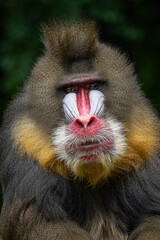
(93, 86)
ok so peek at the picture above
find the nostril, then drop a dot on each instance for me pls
(91, 121)
(85, 122)
(79, 123)
(86, 126)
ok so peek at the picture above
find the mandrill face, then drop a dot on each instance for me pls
(89, 138)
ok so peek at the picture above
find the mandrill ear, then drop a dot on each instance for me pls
(72, 40)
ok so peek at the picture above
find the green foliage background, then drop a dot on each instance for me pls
(131, 25)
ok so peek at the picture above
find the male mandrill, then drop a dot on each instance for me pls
(80, 146)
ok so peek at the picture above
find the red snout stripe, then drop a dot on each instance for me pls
(83, 102)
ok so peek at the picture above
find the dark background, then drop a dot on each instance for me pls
(131, 25)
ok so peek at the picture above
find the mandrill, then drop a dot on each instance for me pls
(80, 146)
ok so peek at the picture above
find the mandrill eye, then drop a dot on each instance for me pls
(93, 86)
(69, 89)
(66, 90)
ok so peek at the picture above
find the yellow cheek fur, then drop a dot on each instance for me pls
(143, 137)
(29, 139)
(142, 141)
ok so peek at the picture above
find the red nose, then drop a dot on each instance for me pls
(86, 126)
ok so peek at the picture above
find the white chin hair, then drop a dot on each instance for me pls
(62, 138)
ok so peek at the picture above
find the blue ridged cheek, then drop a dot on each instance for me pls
(70, 105)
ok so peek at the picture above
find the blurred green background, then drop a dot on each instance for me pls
(131, 25)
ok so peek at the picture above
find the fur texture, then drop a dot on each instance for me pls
(48, 192)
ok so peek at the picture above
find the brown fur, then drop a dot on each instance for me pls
(103, 226)
(30, 225)
(148, 230)
(70, 41)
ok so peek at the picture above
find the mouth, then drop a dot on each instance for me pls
(88, 145)
(91, 147)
